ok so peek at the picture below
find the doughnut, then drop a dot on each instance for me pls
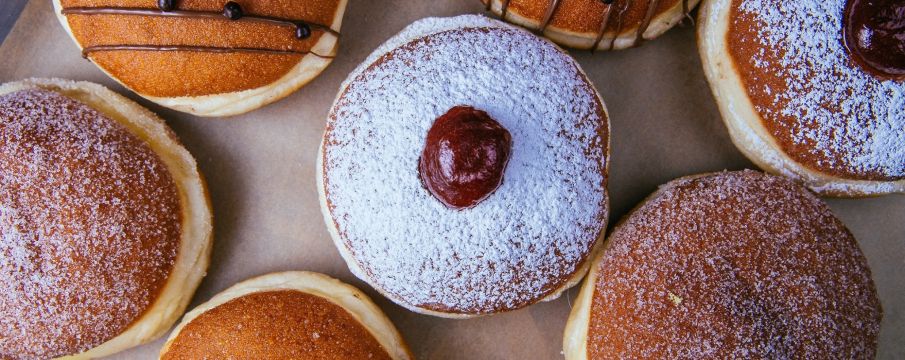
(207, 57)
(463, 168)
(105, 223)
(724, 266)
(803, 98)
(288, 315)
(595, 24)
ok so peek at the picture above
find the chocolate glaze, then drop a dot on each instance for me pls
(874, 34)
(464, 157)
(232, 12)
(622, 5)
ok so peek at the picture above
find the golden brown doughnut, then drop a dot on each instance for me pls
(224, 67)
(727, 265)
(104, 217)
(289, 315)
(595, 24)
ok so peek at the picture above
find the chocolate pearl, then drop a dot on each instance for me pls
(166, 5)
(302, 30)
(232, 10)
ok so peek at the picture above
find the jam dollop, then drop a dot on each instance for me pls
(874, 33)
(464, 157)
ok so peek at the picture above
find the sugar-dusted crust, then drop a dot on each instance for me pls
(194, 246)
(468, 308)
(573, 26)
(355, 302)
(748, 127)
(715, 265)
(232, 102)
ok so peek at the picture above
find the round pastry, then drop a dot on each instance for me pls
(207, 57)
(105, 226)
(595, 24)
(813, 89)
(463, 169)
(723, 266)
(289, 315)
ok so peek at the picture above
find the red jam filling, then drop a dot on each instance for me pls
(464, 157)
(874, 33)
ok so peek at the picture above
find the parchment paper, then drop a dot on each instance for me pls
(260, 169)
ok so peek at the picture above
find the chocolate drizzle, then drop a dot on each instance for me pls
(687, 11)
(620, 17)
(231, 12)
(504, 7)
(621, 5)
(194, 48)
(551, 10)
(648, 17)
(607, 15)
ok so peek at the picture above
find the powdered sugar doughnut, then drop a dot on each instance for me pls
(797, 101)
(105, 226)
(727, 265)
(530, 238)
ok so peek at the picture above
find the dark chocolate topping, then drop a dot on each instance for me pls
(232, 10)
(874, 34)
(464, 157)
(166, 5)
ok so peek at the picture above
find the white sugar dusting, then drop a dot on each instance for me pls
(733, 265)
(851, 121)
(81, 230)
(524, 240)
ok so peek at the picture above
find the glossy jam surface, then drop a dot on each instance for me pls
(874, 32)
(464, 157)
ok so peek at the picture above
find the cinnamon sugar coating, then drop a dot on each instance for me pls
(89, 226)
(733, 265)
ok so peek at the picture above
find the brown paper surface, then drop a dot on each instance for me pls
(260, 169)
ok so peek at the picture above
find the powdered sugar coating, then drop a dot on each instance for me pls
(90, 224)
(523, 242)
(733, 265)
(827, 112)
